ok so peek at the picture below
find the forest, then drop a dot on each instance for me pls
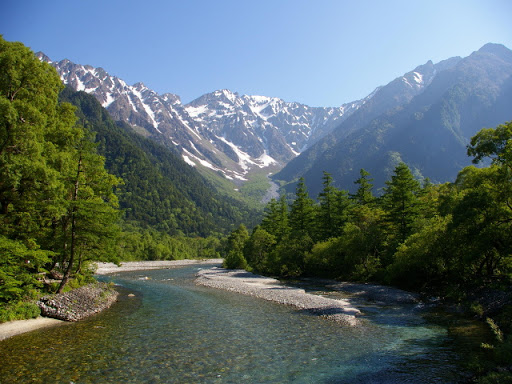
(452, 241)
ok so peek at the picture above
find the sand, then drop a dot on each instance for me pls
(17, 327)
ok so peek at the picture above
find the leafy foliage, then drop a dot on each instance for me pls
(57, 207)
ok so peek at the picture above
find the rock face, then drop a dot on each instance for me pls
(79, 303)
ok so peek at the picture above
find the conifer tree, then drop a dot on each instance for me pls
(326, 217)
(364, 194)
(401, 202)
(275, 220)
(302, 212)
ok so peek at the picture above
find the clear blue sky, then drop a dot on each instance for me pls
(318, 52)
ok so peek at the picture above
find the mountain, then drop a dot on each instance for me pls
(159, 189)
(221, 131)
(424, 118)
(264, 126)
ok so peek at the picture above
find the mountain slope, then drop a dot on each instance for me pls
(429, 130)
(220, 131)
(160, 190)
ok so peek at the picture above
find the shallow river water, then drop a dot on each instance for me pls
(173, 331)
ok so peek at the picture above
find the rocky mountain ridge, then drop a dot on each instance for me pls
(428, 130)
(222, 130)
(233, 134)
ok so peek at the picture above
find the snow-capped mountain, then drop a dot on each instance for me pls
(222, 130)
(225, 131)
(263, 124)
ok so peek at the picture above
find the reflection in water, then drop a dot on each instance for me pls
(175, 332)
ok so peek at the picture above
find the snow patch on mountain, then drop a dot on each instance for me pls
(222, 131)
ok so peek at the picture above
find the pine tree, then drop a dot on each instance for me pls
(326, 218)
(401, 202)
(302, 212)
(364, 194)
(275, 219)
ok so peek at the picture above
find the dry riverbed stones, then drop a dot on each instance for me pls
(266, 288)
(79, 303)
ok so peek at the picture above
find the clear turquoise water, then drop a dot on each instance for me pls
(175, 332)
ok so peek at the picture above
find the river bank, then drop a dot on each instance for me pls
(270, 289)
(17, 327)
(109, 268)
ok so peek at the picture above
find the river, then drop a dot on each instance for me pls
(173, 331)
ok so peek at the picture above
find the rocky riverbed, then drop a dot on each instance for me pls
(78, 303)
(247, 283)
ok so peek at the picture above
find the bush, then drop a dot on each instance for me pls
(20, 310)
(235, 260)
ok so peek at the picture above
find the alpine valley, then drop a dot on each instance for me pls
(423, 118)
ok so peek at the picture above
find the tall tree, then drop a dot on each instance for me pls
(401, 202)
(30, 188)
(90, 223)
(326, 217)
(482, 218)
(364, 194)
(275, 219)
(302, 212)
(41, 163)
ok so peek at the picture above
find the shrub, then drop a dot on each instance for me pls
(19, 310)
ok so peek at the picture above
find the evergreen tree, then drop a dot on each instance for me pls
(401, 202)
(302, 212)
(326, 218)
(90, 223)
(275, 219)
(364, 194)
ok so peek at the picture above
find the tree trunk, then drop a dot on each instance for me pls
(67, 273)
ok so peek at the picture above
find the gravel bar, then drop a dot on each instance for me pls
(108, 268)
(266, 288)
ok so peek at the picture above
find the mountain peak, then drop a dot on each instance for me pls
(497, 49)
(41, 56)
